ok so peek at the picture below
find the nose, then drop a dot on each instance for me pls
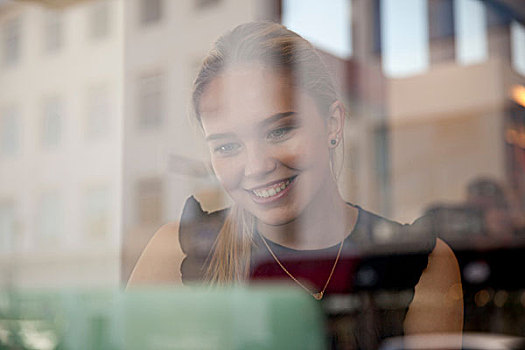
(259, 161)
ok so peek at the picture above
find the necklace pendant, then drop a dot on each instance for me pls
(318, 296)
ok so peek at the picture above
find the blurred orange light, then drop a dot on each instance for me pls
(518, 94)
(482, 298)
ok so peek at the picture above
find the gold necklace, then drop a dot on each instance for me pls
(319, 295)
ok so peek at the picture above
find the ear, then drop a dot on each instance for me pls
(335, 123)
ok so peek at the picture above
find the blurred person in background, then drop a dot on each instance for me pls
(489, 196)
(274, 126)
(489, 218)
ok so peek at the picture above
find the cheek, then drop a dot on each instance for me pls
(228, 171)
(305, 153)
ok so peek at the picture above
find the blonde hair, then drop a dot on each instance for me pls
(284, 51)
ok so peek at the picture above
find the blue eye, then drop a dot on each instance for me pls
(227, 148)
(278, 134)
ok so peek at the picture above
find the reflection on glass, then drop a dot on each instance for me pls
(327, 27)
(49, 220)
(53, 32)
(7, 226)
(404, 33)
(10, 131)
(150, 101)
(518, 47)
(11, 40)
(471, 40)
(99, 117)
(99, 19)
(150, 11)
(51, 123)
(432, 91)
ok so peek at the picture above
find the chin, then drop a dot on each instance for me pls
(276, 216)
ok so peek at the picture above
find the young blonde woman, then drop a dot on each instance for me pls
(273, 123)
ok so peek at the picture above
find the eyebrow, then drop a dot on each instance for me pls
(219, 136)
(272, 119)
(276, 117)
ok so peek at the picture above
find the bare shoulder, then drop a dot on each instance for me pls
(160, 261)
(438, 299)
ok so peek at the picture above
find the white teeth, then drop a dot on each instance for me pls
(272, 191)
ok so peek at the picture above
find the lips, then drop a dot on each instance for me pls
(274, 191)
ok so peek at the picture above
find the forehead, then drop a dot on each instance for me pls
(242, 96)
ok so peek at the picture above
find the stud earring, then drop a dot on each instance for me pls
(333, 141)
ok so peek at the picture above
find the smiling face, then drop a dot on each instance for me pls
(269, 145)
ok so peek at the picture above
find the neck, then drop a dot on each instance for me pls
(323, 223)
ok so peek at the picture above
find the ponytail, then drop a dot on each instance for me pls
(230, 257)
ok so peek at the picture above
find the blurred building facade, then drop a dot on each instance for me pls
(98, 150)
(430, 87)
(60, 142)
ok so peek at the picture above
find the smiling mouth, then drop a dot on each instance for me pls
(273, 191)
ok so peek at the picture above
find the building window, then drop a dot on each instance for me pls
(441, 19)
(53, 33)
(471, 31)
(515, 152)
(149, 201)
(376, 19)
(7, 226)
(98, 113)
(50, 216)
(9, 131)
(99, 19)
(404, 33)
(307, 17)
(518, 47)
(150, 100)
(97, 211)
(200, 4)
(382, 165)
(150, 11)
(12, 37)
(51, 123)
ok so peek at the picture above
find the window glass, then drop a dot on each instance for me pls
(518, 47)
(353, 179)
(98, 112)
(404, 35)
(49, 219)
(99, 19)
(11, 41)
(150, 101)
(200, 4)
(150, 11)
(7, 226)
(326, 26)
(97, 215)
(51, 123)
(471, 39)
(10, 131)
(53, 30)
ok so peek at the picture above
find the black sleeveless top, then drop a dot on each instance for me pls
(372, 285)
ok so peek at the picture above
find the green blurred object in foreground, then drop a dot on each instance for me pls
(263, 317)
